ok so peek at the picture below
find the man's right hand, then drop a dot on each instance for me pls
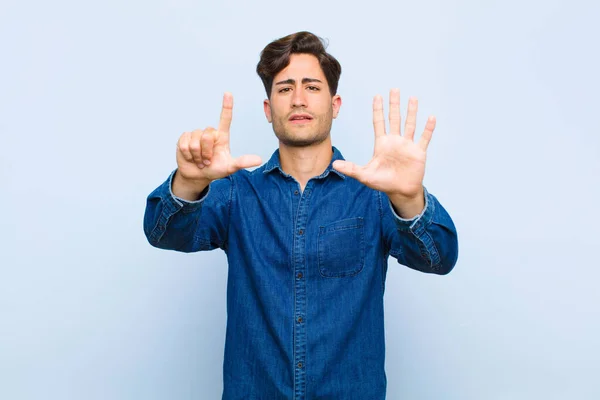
(204, 156)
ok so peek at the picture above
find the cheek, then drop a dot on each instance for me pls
(325, 105)
(276, 111)
(326, 110)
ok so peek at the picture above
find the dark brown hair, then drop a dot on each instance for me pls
(276, 56)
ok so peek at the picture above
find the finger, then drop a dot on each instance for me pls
(196, 147)
(226, 113)
(395, 117)
(427, 133)
(350, 169)
(183, 145)
(207, 142)
(378, 117)
(246, 161)
(411, 118)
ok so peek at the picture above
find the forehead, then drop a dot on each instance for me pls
(301, 66)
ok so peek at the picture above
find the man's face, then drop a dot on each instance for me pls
(301, 107)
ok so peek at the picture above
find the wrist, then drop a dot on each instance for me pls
(188, 189)
(408, 207)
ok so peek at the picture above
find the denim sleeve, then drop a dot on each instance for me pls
(427, 243)
(173, 223)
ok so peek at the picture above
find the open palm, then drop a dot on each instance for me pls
(398, 163)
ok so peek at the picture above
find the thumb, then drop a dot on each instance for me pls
(246, 161)
(349, 168)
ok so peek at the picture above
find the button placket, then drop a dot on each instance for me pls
(299, 260)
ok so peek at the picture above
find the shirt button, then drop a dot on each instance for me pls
(300, 320)
(299, 365)
(301, 232)
(296, 192)
(299, 276)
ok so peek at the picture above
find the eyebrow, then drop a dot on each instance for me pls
(292, 81)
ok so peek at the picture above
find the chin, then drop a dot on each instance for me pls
(297, 141)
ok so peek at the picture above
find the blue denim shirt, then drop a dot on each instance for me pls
(306, 275)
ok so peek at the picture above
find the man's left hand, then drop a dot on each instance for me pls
(398, 164)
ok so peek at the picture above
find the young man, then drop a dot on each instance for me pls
(307, 235)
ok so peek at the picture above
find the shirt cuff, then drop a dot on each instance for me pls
(186, 205)
(419, 222)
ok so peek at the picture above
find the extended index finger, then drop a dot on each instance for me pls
(226, 113)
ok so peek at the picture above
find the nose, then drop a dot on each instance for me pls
(299, 97)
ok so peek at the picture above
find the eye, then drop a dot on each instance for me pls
(314, 88)
(283, 90)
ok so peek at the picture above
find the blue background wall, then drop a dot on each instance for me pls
(94, 96)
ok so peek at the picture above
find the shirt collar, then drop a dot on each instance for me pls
(274, 163)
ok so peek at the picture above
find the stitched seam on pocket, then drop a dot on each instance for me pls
(357, 222)
(343, 228)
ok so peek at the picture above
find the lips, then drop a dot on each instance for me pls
(299, 118)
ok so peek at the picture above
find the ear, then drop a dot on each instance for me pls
(267, 107)
(336, 103)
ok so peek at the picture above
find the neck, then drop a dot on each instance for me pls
(304, 163)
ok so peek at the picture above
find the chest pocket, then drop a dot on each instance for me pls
(341, 248)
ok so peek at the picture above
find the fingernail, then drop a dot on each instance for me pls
(207, 162)
(200, 166)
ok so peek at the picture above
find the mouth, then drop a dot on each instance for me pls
(299, 119)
